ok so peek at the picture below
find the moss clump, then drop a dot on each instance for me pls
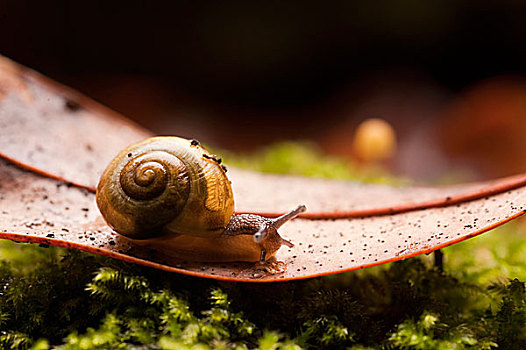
(54, 298)
(308, 160)
(73, 300)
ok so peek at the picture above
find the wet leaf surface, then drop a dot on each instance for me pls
(42, 210)
(57, 130)
(49, 128)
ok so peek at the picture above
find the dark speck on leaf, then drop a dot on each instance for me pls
(129, 155)
(50, 235)
(72, 105)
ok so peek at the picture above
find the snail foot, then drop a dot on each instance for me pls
(272, 266)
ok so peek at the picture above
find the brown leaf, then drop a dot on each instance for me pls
(57, 130)
(64, 134)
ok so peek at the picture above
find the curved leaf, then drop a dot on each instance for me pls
(51, 130)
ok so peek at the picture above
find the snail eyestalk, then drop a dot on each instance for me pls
(279, 221)
(276, 223)
(261, 234)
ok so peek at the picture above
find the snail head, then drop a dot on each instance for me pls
(270, 227)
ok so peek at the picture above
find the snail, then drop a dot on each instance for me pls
(171, 195)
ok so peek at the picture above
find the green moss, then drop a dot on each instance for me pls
(54, 298)
(87, 302)
(308, 160)
(492, 256)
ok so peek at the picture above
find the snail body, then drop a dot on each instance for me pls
(170, 194)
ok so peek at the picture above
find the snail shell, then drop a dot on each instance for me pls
(170, 195)
(165, 185)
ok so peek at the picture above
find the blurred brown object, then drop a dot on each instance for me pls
(485, 127)
(374, 141)
(411, 103)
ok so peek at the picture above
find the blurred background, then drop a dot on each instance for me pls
(448, 77)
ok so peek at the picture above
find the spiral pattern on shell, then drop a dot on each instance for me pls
(144, 179)
(152, 189)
